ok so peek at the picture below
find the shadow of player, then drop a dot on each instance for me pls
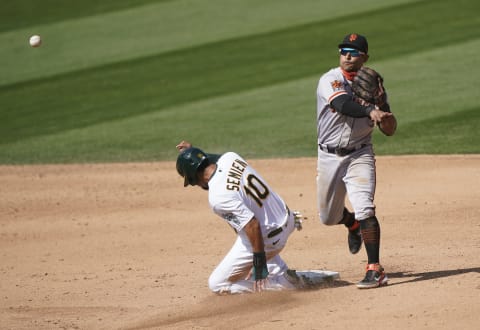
(425, 276)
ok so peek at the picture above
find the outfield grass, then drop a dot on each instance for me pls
(227, 85)
(141, 31)
(23, 13)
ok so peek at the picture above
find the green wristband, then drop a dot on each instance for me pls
(260, 270)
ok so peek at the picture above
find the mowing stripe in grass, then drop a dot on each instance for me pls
(16, 14)
(153, 29)
(454, 133)
(282, 115)
(132, 88)
(432, 83)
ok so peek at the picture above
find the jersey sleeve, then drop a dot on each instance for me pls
(331, 86)
(235, 212)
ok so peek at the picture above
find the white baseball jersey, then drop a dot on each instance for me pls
(238, 193)
(335, 129)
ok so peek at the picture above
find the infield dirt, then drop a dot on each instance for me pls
(126, 246)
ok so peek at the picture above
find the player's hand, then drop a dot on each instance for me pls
(258, 285)
(183, 145)
(378, 115)
(259, 271)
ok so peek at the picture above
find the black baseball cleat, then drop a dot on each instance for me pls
(354, 239)
(374, 277)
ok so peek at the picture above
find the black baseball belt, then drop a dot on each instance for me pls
(278, 230)
(340, 151)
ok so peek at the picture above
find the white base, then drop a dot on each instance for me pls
(319, 276)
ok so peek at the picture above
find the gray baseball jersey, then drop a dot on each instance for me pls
(335, 129)
(353, 170)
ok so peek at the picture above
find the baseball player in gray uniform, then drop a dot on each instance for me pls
(259, 216)
(346, 161)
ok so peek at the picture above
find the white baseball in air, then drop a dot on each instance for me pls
(35, 41)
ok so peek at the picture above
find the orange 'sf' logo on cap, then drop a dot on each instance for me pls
(353, 37)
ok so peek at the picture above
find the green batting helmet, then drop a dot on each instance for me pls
(189, 162)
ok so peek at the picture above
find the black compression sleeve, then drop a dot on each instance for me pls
(346, 106)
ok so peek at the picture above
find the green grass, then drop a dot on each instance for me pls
(252, 93)
(152, 29)
(436, 136)
(23, 13)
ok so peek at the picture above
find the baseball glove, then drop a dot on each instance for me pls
(368, 85)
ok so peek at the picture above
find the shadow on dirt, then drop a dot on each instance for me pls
(416, 277)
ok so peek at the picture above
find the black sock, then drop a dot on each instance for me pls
(348, 218)
(370, 229)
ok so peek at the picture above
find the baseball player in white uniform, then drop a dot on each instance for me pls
(259, 216)
(346, 161)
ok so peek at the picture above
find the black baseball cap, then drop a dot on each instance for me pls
(355, 41)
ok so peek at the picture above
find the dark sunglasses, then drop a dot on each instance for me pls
(353, 52)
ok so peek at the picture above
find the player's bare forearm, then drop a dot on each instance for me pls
(254, 234)
(259, 269)
(388, 125)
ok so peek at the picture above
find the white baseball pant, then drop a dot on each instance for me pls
(229, 276)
